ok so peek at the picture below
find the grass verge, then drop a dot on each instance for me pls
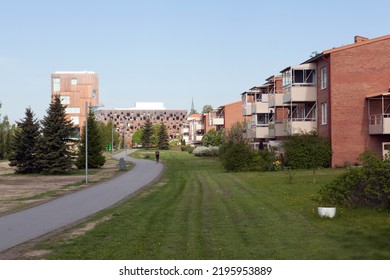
(198, 211)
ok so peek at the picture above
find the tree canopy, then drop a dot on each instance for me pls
(54, 154)
(25, 145)
(95, 144)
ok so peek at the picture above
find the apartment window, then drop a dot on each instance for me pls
(65, 100)
(94, 93)
(75, 120)
(73, 82)
(56, 84)
(324, 78)
(72, 110)
(324, 109)
(262, 119)
(306, 76)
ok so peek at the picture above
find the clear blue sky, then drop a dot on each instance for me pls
(168, 51)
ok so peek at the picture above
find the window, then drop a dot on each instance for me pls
(324, 109)
(75, 120)
(324, 78)
(262, 119)
(73, 82)
(72, 110)
(306, 76)
(65, 100)
(56, 84)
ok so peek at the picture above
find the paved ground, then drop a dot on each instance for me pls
(25, 225)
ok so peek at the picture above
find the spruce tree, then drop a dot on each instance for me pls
(54, 154)
(23, 153)
(95, 146)
(147, 133)
(162, 141)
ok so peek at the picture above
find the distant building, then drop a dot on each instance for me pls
(129, 120)
(223, 117)
(75, 90)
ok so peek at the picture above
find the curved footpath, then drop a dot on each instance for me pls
(28, 224)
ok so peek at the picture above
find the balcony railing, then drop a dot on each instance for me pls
(379, 124)
(218, 121)
(300, 94)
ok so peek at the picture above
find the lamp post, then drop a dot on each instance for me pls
(86, 142)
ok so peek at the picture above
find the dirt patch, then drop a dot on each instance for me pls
(20, 191)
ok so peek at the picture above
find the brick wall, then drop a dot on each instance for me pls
(355, 73)
(233, 114)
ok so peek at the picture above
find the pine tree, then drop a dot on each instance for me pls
(162, 141)
(147, 133)
(95, 145)
(24, 148)
(54, 154)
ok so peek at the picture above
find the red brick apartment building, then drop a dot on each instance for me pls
(199, 124)
(353, 97)
(342, 93)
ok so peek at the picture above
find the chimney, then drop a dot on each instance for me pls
(359, 39)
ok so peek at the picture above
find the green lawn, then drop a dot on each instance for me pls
(198, 211)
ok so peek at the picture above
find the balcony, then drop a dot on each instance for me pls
(287, 128)
(261, 132)
(259, 107)
(299, 126)
(247, 109)
(217, 121)
(275, 100)
(300, 94)
(277, 129)
(379, 124)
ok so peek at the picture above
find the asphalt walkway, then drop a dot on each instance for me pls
(28, 224)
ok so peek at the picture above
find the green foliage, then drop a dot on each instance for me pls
(207, 109)
(147, 133)
(25, 145)
(186, 148)
(95, 145)
(212, 138)
(162, 137)
(263, 160)
(6, 135)
(136, 137)
(236, 156)
(108, 133)
(367, 186)
(307, 151)
(54, 155)
(234, 152)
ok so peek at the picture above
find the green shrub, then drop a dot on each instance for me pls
(307, 151)
(236, 156)
(263, 160)
(367, 186)
(188, 149)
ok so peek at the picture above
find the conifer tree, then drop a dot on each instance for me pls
(54, 154)
(24, 148)
(162, 141)
(147, 133)
(95, 146)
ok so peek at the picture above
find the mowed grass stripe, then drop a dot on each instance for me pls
(198, 211)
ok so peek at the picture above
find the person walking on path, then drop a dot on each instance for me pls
(157, 154)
